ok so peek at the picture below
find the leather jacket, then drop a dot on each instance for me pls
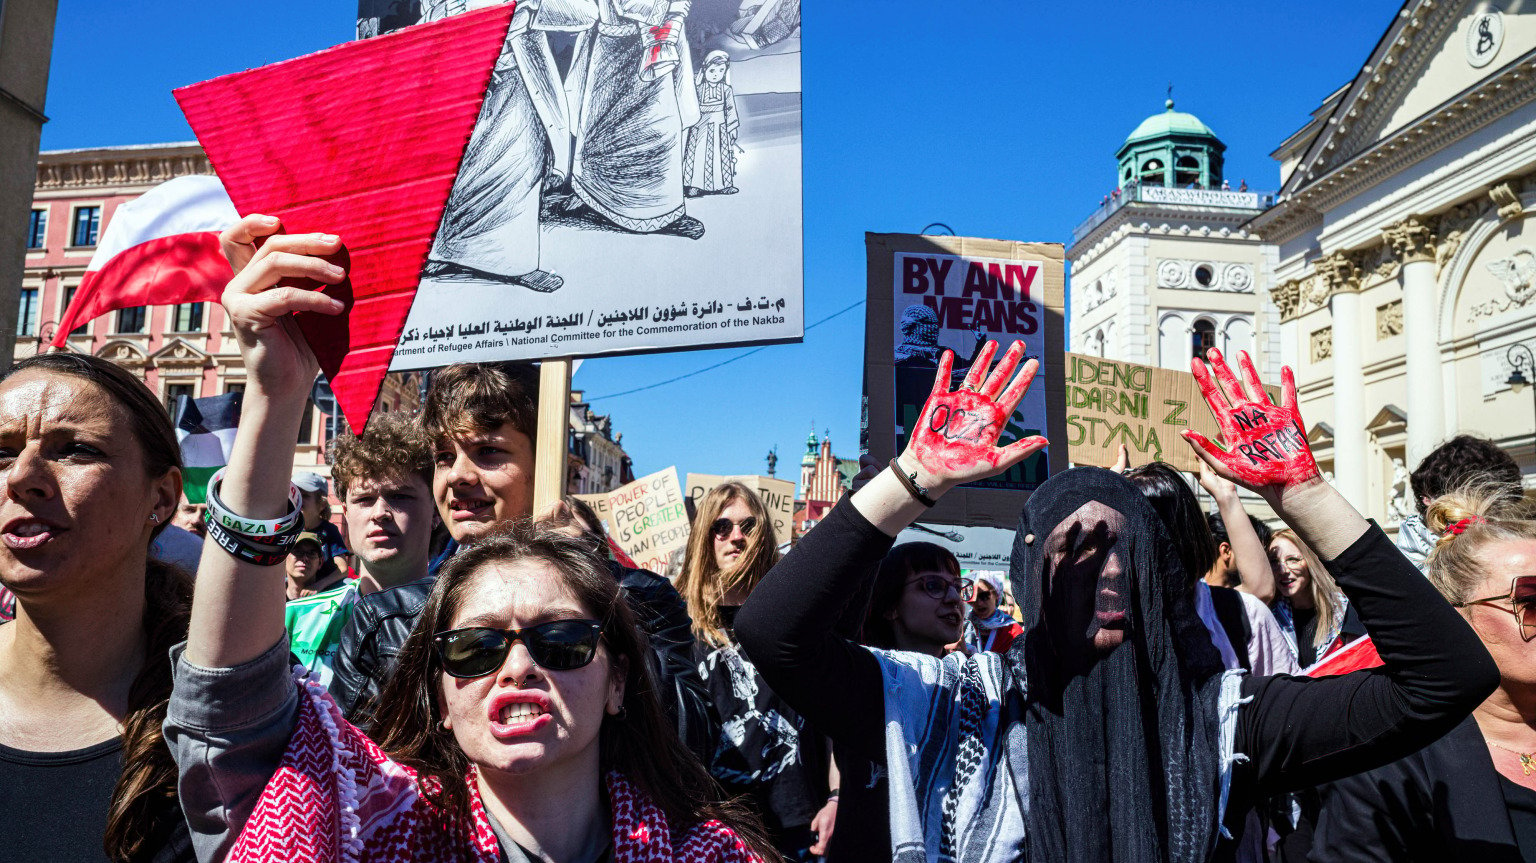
(381, 621)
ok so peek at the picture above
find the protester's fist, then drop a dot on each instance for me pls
(1266, 445)
(275, 276)
(957, 433)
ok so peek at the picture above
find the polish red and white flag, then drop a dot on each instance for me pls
(161, 248)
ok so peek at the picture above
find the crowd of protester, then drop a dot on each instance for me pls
(456, 676)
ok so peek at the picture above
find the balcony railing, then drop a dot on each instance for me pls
(1178, 197)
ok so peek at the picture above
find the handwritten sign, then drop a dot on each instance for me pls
(932, 294)
(646, 518)
(778, 495)
(1109, 403)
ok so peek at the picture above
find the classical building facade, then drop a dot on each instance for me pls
(596, 461)
(1406, 251)
(1164, 268)
(177, 350)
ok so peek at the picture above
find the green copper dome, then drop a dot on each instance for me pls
(1170, 122)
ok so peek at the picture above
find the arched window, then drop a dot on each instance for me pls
(1186, 171)
(1152, 172)
(1204, 337)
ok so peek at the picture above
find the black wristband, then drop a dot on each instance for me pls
(241, 549)
(918, 493)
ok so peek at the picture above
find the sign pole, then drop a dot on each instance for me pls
(553, 429)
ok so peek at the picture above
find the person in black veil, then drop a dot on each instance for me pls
(1110, 731)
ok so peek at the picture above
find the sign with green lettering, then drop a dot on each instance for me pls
(1110, 403)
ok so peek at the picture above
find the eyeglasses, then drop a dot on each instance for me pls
(1522, 602)
(560, 645)
(938, 587)
(722, 527)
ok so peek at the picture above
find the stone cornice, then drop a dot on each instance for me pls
(1491, 98)
(119, 166)
(1154, 219)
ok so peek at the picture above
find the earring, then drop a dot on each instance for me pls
(154, 518)
(623, 713)
(442, 725)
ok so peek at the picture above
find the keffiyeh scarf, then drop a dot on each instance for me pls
(337, 798)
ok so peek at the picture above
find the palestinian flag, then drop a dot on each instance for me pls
(205, 428)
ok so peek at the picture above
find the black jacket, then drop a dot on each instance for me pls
(1441, 803)
(381, 621)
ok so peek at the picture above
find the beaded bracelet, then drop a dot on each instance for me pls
(258, 554)
(252, 528)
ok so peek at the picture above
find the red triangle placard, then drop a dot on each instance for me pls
(362, 140)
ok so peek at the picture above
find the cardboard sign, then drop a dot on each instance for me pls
(364, 141)
(778, 495)
(642, 192)
(646, 518)
(1109, 403)
(927, 294)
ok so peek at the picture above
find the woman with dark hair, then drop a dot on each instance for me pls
(918, 601)
(522, 722)
(84, 672)
(763, 749)
(1113, 718)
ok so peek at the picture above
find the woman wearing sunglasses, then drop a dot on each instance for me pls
(763, 749)
(522, 722)
(1471, 795)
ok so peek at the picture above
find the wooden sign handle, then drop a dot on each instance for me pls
(549, 458)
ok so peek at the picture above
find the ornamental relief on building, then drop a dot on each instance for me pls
(1322, 344)
(1389, 320)
(1192, 275)
(1100, 291)
(1517, 272)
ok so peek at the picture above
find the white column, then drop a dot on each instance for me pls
(1426, 392)
(1348, 399)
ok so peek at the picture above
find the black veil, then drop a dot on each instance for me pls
(1123, 747)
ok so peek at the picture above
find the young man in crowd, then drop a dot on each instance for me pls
(1242, 615)
(317, 511)
(384, 479)
(480, 419)
(1460, 460)
(189, 516)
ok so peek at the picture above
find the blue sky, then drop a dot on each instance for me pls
(999, 119)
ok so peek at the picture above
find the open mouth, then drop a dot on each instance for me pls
(27, 533)
(519, 714)
(469, 509)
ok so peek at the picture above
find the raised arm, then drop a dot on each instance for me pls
(1253, 569)
(1297, 731)
(788, 624)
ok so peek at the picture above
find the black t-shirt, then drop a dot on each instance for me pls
(53, 806)
(764, 748)
(863, 830)
(1522, 816)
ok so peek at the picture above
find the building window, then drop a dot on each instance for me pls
(176, 391)
(1186, 172)
(69, 297)
(1204, 338)
(131, 320)
(87, 226)
(234, 387)
(306, 426)
(26, 314)
(37, 229)
(187, 318)
(1152, 172)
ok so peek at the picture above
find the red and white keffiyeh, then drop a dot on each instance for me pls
(337, 798)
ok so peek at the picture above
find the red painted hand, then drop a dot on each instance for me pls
(1267, 447)
(955, 441)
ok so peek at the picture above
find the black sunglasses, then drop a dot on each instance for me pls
(560, 645)
(722, 527)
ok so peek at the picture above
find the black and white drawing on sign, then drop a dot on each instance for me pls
(638, 148)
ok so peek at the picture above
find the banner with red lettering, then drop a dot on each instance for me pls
(931, 294)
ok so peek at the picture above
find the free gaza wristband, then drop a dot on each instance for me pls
(265, 530)
(242, 550)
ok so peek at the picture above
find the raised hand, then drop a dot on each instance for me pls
(1266, 444)
(272, 276)
(956, 439)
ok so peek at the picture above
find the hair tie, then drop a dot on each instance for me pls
(1460, 527)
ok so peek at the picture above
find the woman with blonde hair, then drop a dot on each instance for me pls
(1471, 795)
(763, 749)
(1312, 612)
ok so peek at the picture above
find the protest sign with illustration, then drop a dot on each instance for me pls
(646, 518)
(778, 495)
(930, 293)
(1110, 403)
(632, 184)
